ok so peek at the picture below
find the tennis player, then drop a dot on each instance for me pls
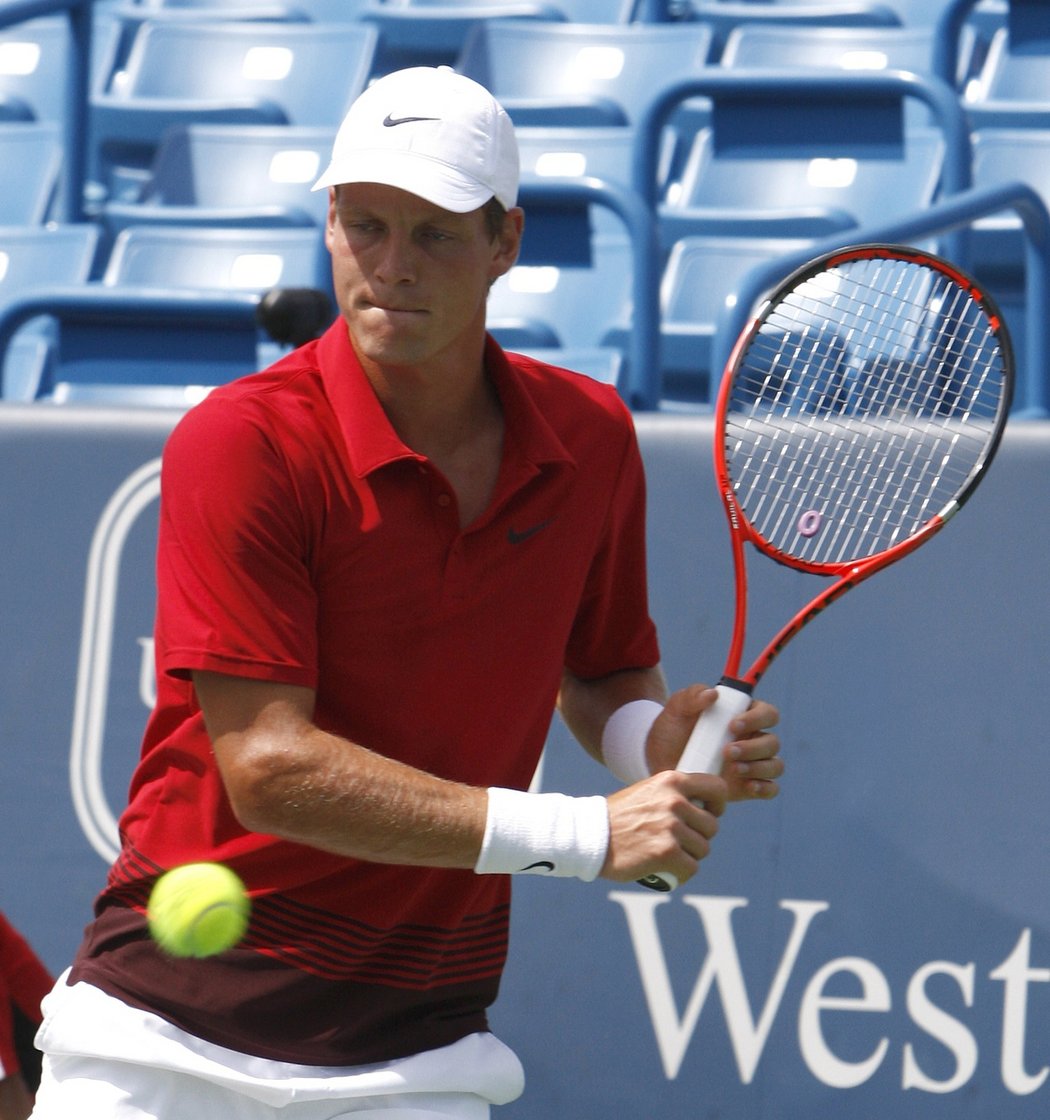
(381, 563)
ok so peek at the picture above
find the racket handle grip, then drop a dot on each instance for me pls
(703, 751)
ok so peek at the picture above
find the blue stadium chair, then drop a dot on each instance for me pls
(995, 245)
(291, 10)
(722, 16)
(32, 259)
(597, 11)
(837, 48)
(567, 304)
(231, 175)
(30, 164)
(176, 307)
(590, 75)
(701, 275)
(34, 64)
(573, 153)
(1012, 88)
(919, 13)
(577, 280)
(802, 187)
(917, 50)
(236, 73)
(253, 260)
(433, 32)
(570, 74)
(806, 153)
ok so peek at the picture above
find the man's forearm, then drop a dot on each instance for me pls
(586, 705)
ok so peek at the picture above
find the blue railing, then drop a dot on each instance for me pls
(642, 350)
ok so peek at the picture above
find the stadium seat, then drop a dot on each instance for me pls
(995, 245)
(723, 16)
(702, 273)
(222, 259)
(581, 74)
(30, 164)
(570, 153)
(1012, 88)
(34, 63)
(235, 73)
(567, 152)
(33, 259)
(839, 48)
(316, 11)
(597, 11)
(805, 153)
(570, 304)
(850, 49)
(802, 187)
(433, 32)
(231, 175)
(177, 307)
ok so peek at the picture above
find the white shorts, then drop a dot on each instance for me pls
(104, 1060)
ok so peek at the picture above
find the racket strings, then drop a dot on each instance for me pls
(862, 406)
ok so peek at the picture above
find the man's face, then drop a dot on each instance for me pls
(411, 279)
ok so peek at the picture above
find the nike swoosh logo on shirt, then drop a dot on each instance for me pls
(517, 536)
(393, 122)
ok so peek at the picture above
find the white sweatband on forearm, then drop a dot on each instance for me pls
(544, 834)
(624, 738)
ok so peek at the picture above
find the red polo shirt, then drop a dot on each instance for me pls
(302, 542)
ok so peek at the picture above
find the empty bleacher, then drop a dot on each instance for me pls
(216, 114)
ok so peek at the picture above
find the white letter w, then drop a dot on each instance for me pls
(721, 966)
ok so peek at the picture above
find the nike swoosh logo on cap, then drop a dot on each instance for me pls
(393, 122)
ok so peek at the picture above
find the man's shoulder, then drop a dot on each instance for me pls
(261, 413)
(282, 388)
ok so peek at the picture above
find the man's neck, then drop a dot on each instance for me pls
(454, 418)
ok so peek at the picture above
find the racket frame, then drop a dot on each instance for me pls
(710, 736)
(848, 573)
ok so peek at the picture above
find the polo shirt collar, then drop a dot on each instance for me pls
(370, 439)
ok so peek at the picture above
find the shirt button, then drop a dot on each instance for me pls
(444, 500)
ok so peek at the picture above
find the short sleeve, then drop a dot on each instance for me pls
(233, 580)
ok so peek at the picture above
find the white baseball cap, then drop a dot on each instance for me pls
(432, 132)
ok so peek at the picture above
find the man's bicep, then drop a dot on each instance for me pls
(254, 727)
(237, 706)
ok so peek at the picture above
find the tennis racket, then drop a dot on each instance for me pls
(859, 410)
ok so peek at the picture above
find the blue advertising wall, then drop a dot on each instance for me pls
(874, 942)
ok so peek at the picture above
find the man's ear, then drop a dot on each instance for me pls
(508, 243)
(332, 217)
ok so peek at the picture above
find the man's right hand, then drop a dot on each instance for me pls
(665, 823)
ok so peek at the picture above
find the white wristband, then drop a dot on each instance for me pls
(624, 738)
(544, 834)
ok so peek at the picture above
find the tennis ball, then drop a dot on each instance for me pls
(198, 910)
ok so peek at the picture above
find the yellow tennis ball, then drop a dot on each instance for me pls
(198, 910)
